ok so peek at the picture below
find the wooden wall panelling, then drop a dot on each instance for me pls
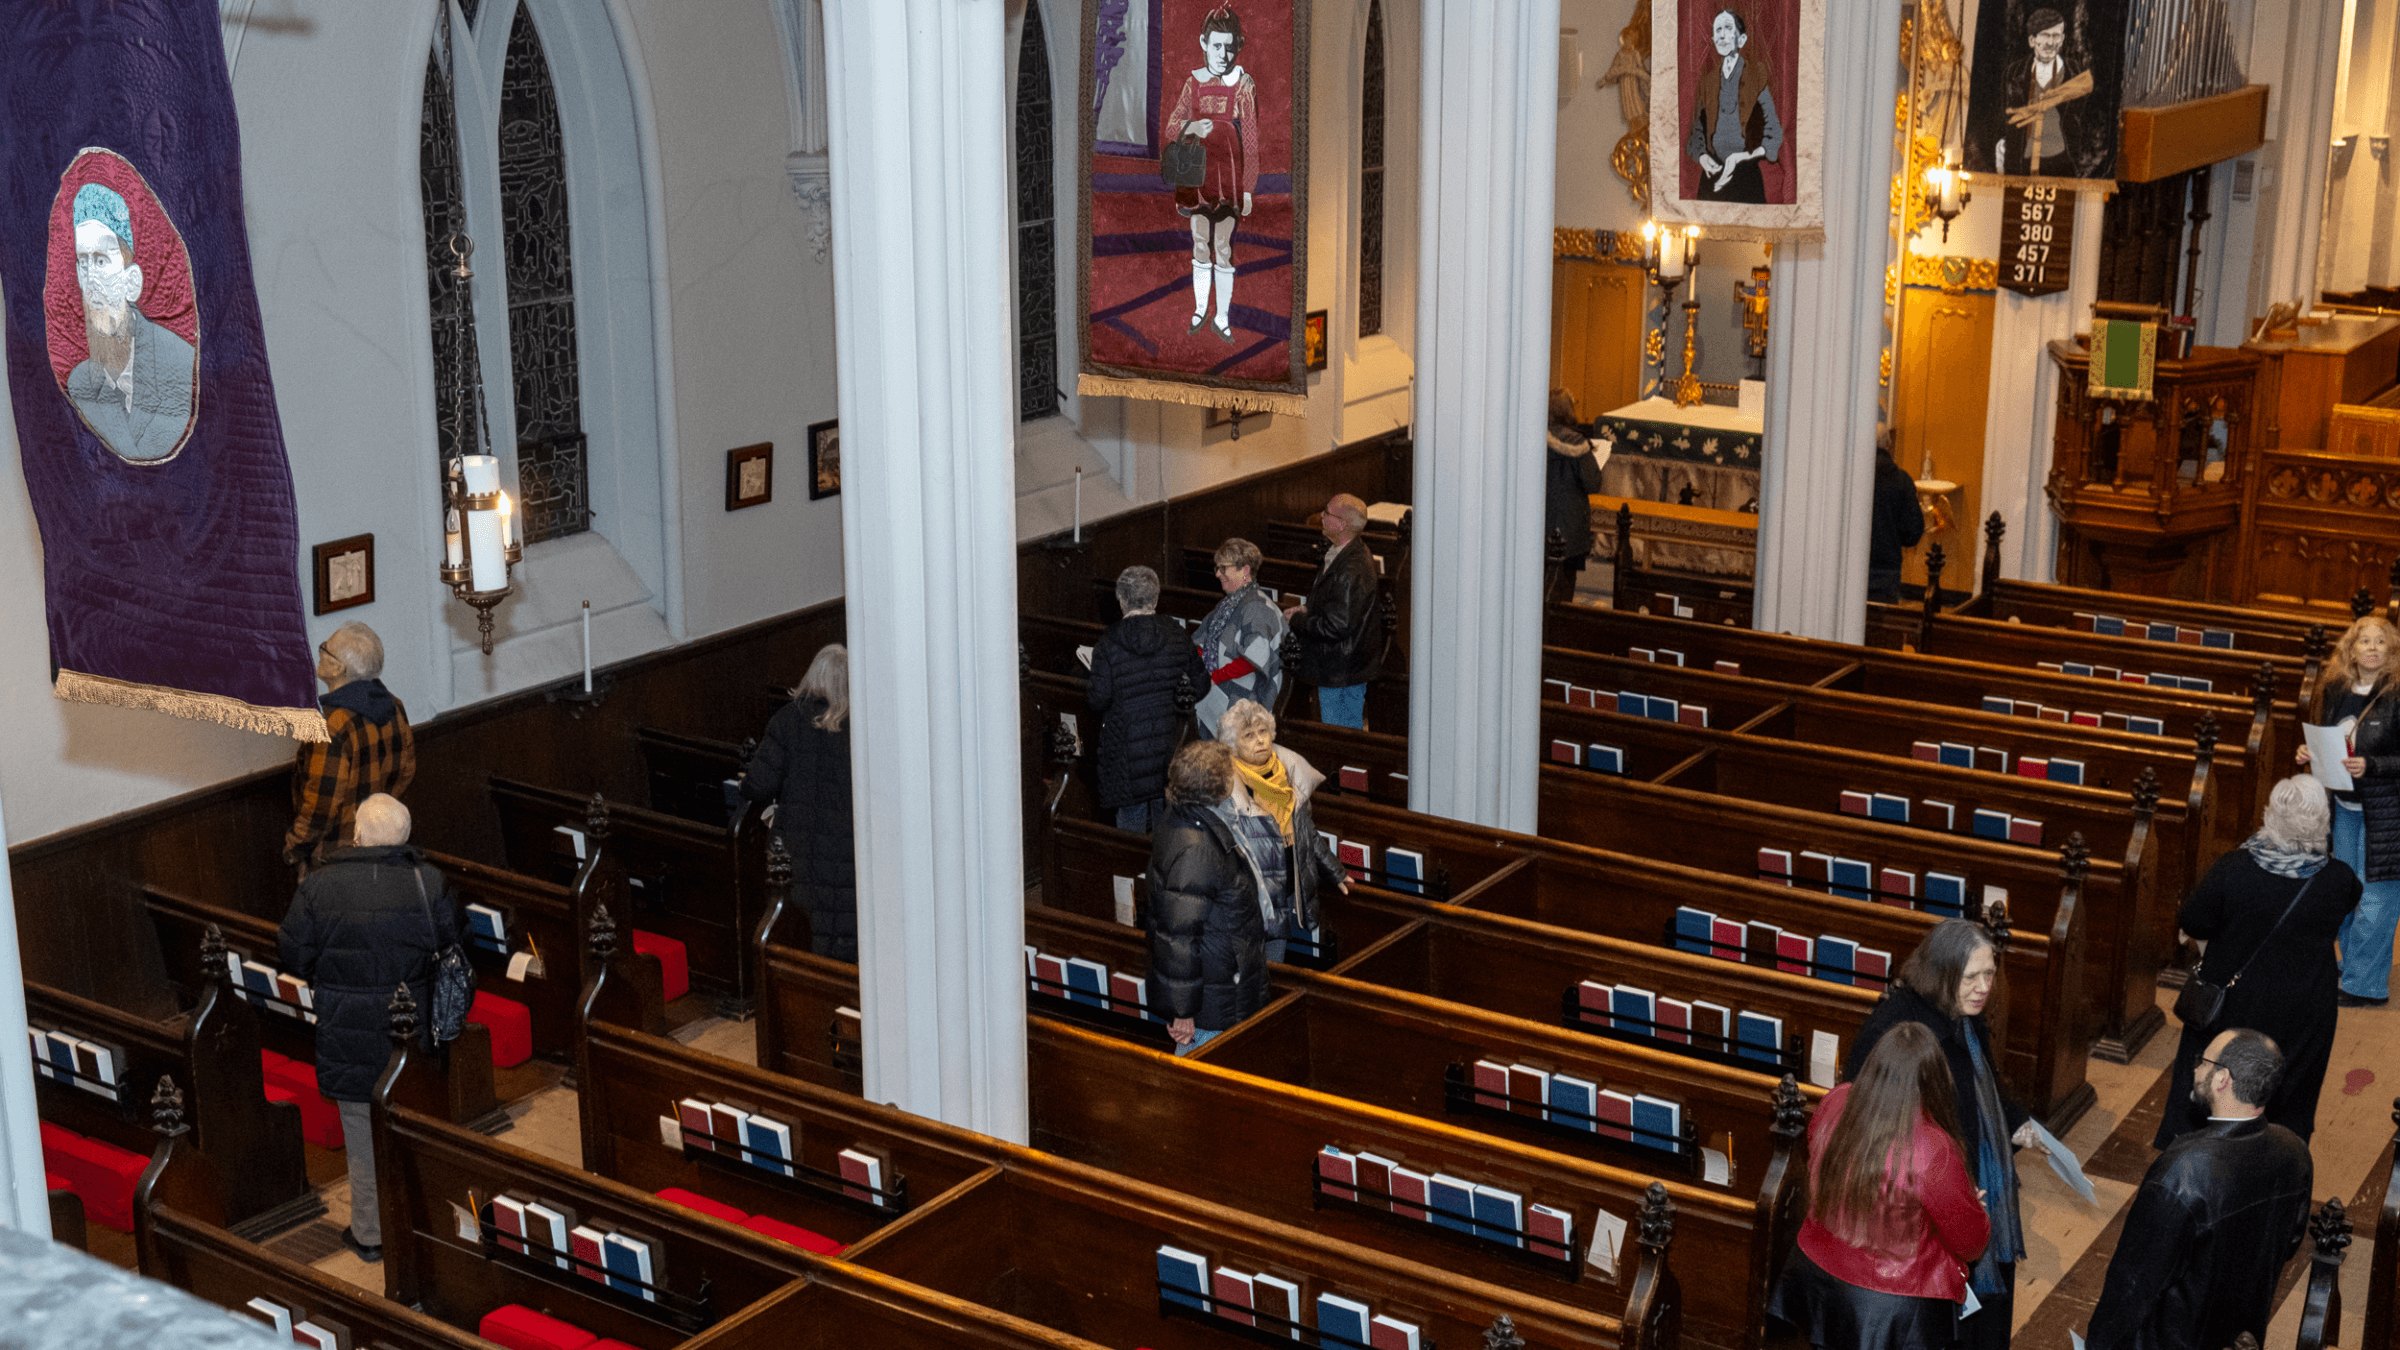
(2315, 528)
(1943, 383)
(1597, 311)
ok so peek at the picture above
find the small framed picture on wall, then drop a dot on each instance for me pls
(345, 572)
(750, 476)
(824, 459)
(1312, 339)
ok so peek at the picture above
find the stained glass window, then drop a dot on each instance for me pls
(553, 476)
(1370, 179)
(445, 209)
(1037, 239)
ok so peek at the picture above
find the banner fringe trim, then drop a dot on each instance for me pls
(1192, 395)
(299, 724)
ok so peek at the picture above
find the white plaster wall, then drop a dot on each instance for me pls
(751, 312)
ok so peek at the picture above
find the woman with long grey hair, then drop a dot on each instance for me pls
(802, 765)
(2266, 915)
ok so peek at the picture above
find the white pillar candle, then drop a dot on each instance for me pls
(490, 570)
(587, 646)
(452, 548)
(508, 520)
(1670, 258)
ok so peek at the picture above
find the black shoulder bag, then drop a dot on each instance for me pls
(453, 981)
(2201, 1003)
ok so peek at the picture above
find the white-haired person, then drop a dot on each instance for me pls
(370, 749)
(369, 918)
(1271, 821)
(2266, 915)
(802, 765)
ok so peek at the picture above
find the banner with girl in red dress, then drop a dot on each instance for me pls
(1193, 215)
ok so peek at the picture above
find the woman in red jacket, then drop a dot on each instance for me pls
(1893, 1215)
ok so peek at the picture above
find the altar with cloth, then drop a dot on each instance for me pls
(1661, 449)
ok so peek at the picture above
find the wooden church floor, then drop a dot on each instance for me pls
(2068, 1242)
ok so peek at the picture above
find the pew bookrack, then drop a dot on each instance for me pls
(885, 1202)
(1875, 892)
(1435, 886)
(1735, 1054)
(1681, 1149)
(689, 1314)
(1764, 958)
(1324, 953)
(847, 1054)
(1514, 1243)
(1122, 1018)
(1265, 1328)
(61, 1077)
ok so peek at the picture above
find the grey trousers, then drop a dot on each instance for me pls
(358, 1142)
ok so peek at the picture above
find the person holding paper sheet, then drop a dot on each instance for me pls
(802, 765)
(2366, 817)
(1208, 935)
(1269, 814)
(1893, 1212)
(1944, 987)
(2269, 911)
(1134, 668)
(2218, 1215)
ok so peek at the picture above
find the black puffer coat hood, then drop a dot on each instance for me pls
(1208, 942)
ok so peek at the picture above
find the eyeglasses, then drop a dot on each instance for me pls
(2196, 1065)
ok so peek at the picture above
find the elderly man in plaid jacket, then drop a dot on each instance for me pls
(371, 749)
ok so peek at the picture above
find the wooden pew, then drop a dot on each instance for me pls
(1694, 830)
(679, 770)
(2110, 759)
(470, 1099)
(1586, 890)
(540, 918)
(1717, 600)
(1112, 1102)
(2023, 645)
(1249, 1143)
(2245, 754)
(2382, 1330)
(699, 884)
(211, 1053)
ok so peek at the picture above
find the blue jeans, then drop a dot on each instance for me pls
(1343, 706)
(2367, 933)
(1141, 817)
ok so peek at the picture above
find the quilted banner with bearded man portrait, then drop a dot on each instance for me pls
(137, 370)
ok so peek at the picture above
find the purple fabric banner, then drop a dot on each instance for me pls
(137, 368)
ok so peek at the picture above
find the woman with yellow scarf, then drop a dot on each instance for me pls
(1269, 815)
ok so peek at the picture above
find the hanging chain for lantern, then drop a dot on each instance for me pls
(481, 544)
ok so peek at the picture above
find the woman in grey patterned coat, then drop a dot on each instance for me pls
(1241, 640)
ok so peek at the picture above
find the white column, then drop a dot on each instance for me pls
(1489, 120)
(2019, 418)
(919, 122)
(24, 1194)
(1816, 484)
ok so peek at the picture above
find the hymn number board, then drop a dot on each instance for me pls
(2037, 233)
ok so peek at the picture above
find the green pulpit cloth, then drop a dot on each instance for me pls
(2124, 358)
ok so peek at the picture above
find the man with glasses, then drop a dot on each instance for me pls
(1341, 644)
(369, 748)
(2217, 1217)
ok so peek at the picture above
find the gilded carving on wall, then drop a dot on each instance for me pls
(1954, 275)
(1630, 73)
(1602, 246)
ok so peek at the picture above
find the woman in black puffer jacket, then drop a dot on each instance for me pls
(1208, 939)
(802, 765)
(367, 920)
(1135, 665)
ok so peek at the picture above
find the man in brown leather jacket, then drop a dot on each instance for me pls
(2217, 1217)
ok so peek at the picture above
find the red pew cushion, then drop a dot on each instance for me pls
(674, 972)
(511, 1026)
(715, 1209)
(52, 1181)
(55, 1139)
(791, 1234)
(268, 1059)
(104, 1175)
(521, 1328)
(320, 1120)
